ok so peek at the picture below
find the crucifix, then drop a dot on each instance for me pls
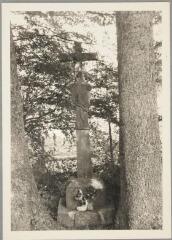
(80, 97)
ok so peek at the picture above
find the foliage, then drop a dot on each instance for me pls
(104, 96)
(100, 146)
(45, 79)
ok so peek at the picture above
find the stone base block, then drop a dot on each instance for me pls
(84, 220)
(66, 217)
(73, 219)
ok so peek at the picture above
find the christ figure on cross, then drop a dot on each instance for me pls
(80, 96)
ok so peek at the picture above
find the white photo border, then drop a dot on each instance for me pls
(164, 7)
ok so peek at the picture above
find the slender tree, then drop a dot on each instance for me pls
(140, 147)
(27, 211)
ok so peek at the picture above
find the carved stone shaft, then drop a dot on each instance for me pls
(80, 95)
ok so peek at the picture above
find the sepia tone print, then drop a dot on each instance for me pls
(86, 120)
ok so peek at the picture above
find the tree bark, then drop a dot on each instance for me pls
(27, 211)
(140, 147)
(110, 141)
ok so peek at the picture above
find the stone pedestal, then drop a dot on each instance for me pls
(72, 219)
(100, 216)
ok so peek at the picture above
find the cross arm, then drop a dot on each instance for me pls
(78, 57)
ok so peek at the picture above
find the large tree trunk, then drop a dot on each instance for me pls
(140, 148)
(27, 212)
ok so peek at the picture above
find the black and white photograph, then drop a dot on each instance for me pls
(86, 126)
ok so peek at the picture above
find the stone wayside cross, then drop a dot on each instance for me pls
(80, 96)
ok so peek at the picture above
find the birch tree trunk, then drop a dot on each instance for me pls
(140, 147)
(27, 211)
